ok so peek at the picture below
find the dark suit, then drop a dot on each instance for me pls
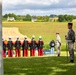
(25, 47)
(17, 46)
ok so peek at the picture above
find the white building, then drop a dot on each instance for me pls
(34, 19)
(54, 19)
(10, 19)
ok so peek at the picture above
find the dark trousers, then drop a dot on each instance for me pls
(71, 50)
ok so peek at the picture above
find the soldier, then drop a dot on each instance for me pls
(17, 46)
(4, 48)
(40, 46)
(58, 43)
(25, 46)
(10, 47)
(70, 37)
(32, 46)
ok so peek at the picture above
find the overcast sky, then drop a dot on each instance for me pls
(39, 7)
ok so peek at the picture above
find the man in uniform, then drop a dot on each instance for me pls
(40, 46)
(25, 46)
(58, 43)
(4, 48)
(17, 46)
(70, 37)
(33, 46)
(10, 47)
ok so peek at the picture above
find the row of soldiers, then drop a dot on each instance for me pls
(25, 45)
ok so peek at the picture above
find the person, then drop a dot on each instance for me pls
(4, 48)
(25, 46)
(17, 46)
(70, 37)
(10, 47)
(32, 46)
(52, 46)
(40, 46)
(58, 43)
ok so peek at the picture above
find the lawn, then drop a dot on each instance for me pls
(51, 65)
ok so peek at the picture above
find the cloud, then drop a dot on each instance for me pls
(40, 2)
(41, 7)
(28, 4)
(72, 3)
(44, 12)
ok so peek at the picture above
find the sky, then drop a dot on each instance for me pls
(39, 7)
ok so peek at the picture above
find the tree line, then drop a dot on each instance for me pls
(28, 17)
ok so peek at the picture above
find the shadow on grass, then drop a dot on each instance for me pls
(39, 66)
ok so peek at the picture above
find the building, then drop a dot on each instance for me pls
(34, 18)
(10, 18)
(54, 19)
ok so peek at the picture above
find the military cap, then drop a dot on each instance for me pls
(70, 24)
(57, 33)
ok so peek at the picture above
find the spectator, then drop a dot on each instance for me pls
(52, 46)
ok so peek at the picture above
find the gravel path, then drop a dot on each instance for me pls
(13, 32)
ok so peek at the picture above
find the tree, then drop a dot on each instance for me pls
(10, 15)
(43, 18)
(68, 18)
(39, 18)
(13, 15)
(53, 15)
(27, 18)
(61, 18)
(46, 18)
(65, 18)
(5, 16)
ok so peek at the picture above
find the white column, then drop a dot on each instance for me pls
(1, 60)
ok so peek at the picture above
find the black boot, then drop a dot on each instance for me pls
(72, 61)
(58, 55)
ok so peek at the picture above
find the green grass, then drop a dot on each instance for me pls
(39, 66)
